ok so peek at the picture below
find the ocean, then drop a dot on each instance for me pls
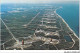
(70, 13)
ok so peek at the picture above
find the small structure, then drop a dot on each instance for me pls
(50, 26)
(22, 42)
(51, 39)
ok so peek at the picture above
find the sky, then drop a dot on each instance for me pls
(34, 1)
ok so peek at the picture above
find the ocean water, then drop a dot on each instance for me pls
(70, 13)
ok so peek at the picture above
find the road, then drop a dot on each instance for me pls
(33, 19)
(12, 34)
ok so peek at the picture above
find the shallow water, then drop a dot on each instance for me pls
(70, 13)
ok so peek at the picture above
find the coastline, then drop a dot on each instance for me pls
(66, 24)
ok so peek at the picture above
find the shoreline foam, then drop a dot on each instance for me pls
(66, 24)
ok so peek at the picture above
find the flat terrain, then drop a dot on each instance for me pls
(41, 29)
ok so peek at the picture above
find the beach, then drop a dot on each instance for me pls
(67, 25)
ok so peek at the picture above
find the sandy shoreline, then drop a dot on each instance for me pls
(66, 24)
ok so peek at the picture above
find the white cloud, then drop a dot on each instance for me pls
(33, 1)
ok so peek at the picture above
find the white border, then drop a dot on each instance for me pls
(38, 51)
(79, 24)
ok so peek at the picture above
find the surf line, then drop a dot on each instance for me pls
(66, 24)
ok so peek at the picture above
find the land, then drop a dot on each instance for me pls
(41, 29)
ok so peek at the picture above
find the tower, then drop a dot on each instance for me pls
(22, 42)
